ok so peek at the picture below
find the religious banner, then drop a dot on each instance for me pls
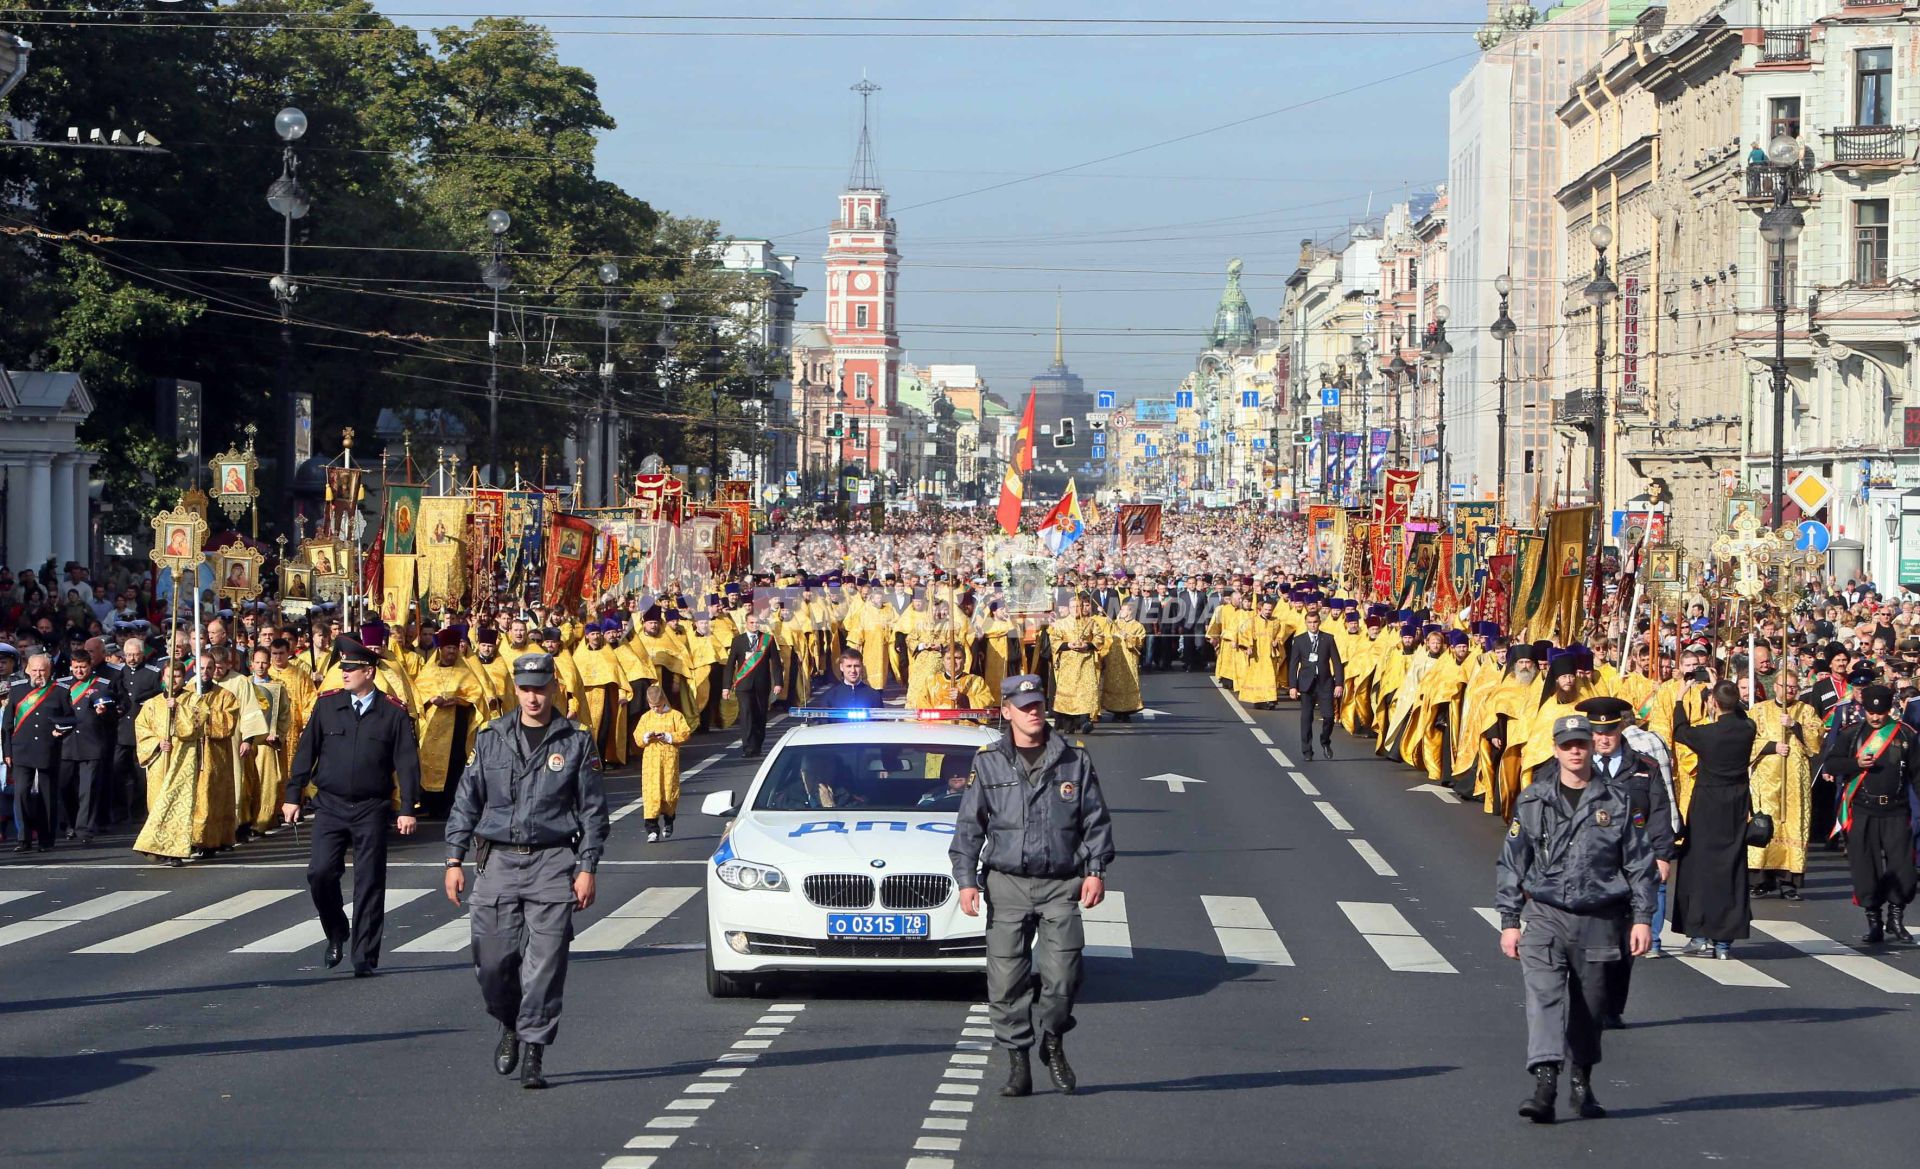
(1382, 564)
(735, 490)
(1566, 567)
(1423, 555)
(1495, 602)
(525, 534)
(397, 589)
(344, 493)
(568, 552)
(373, 565)
(237, 572)
(1377, 457)
(403, 518)
(442, 575)
(1446, 599)
(1354, 567)
(236, 475)
(178, 536)
(1530, 579)
(1138, 523)
(659, 497)
(1470, 517)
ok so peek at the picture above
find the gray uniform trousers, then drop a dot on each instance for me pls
(1563, 965)
(522, 917)
(1032, 922)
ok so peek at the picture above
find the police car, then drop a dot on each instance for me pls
(836, 855)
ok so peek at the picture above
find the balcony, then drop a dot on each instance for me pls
(1867, 144)
(1785, 44)
(1764, 180)
(1575, 409)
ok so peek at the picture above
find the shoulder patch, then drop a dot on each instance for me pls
(392, 699)
(1513, 829)
(329, 693)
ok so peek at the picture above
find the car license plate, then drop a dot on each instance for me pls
(877, 925)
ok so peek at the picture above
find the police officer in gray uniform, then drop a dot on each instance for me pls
(1574, 869)
(532, 809)
(1034, 822)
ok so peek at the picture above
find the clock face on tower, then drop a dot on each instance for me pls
(862, 281)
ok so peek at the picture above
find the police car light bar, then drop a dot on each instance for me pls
(861, 715)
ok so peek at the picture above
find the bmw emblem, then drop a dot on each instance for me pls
(877, 864)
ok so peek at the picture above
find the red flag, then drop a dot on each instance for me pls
(1012, 489)
(569, 554)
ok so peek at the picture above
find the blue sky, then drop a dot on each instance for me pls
(757, 131)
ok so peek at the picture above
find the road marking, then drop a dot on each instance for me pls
(59, 919)
(191, 923)
(626, 810)
(1107, 934)
(1333, 817)
(653, 1141)
(1394, 939)
(1246, 936)
(445, 939)
(1489, 915)
(1372, 856)
(1280, 757)
(630, 921)
(1726, 972)
(1301, 781)
(1175, 783)
(699, 1096)
(1845, 959)
(1237, 708)
(1262, 737)
(624, 1162)
(308, 933)
(1149, 713)
(10, 895)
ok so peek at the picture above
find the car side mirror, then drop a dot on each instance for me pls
(717, 804)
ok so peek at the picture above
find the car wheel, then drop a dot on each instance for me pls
(725, 986)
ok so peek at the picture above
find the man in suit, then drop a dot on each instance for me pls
(1318, 677)
(357, 742)
(1192, 604)
(755, 677)
(85, 756)
(849, 690)
(34, 720)
(137, 680)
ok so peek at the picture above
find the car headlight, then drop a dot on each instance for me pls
(747, 876)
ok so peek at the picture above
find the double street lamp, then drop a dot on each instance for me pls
(1780, 225)
(607, 428)
(1438, 349)
(289, 200)
(1600, 292)
(496, 275)
(1503, 330)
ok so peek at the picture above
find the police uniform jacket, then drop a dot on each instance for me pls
(1888, 779)
(550, 796)
(1649, 802)
(1593, 860)
(31, 744)
(136, 686)
(1055, 825)
(352, 758)
(93, 734)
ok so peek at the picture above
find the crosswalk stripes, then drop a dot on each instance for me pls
(1823, 949)
(619, 928)
(1106, 929)
(1394, 939)
(9, 895)
(1246, 936)
(308, 933)
(1725, 971)
(72, 915)
(189, 923)
(444, 939)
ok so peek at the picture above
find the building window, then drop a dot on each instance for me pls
(1783, 117)
(1786, 291)
(860, 385)
(1413, 274)
(1527, 462)
(1873, 87)
(860, 316)
(863, 217)
(1870, 241)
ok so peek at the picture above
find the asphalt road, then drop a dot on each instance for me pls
(1304, 976)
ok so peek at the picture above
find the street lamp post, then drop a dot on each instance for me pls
(1397, 371)
(496, 275)
(609, 273)
(1600, 292)
(1362, 351)
(1438, 348)
(1502, 329)
(291, 201)
(804, 434)
(1780, 225)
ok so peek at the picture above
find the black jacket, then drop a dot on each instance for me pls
(93, 732)
(841, 696)
(1056, 827)
(1647, 797)
(1329, 670)
(1883, 791)
(765, 675)
(351, 759)
(136, 686)
(1594, 860)
(550, 797)
(30, 742)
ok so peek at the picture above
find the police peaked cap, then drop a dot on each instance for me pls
(1606, 714)
(352, 654)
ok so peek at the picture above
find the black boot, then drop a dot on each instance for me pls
(1580, 1094)
(666, 827)
(1546, 1085)
(1019, 1074)
(530, 1076)
(1053, 1053)
(653, 831)
(1874, 935)
(506, 1053)
(1897, 925)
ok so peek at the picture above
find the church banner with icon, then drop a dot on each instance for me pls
(442, 576)
(569, 554)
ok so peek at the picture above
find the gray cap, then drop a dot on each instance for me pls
(533, 669)
(1570, 727)
(1024, 690)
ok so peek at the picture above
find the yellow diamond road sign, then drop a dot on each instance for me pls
(1810, 492)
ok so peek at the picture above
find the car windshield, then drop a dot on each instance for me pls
(880, 777)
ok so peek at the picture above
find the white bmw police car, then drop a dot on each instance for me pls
(836, 857)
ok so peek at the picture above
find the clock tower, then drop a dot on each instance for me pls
(863, 271)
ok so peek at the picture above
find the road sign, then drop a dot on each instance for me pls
(1329, 395)
(1202, 447)
(793, 478)
(1175, 783)
(1810, 492)
(1183, 399)
(1814, 537)
(1107, 399)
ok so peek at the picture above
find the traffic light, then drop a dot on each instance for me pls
(836, 424)
(1064, 437)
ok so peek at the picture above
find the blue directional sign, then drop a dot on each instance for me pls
(1153, 450)
(1204, 444)
(1139, 438)
(1106, 399)
(1183, 399)
(1329, 395)
(1814, 537)
(1232, 437)
(1097, 451)
(1259, 444)
(1206, 424)
(1250, 398)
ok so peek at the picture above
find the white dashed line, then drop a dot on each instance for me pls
(1262, 737)
(1247, 938)
(948, 1115)
(1372, 856)
(699, 1096)
(1237, 708)
(1333, 816)
(1301, 781)
(1280, 757)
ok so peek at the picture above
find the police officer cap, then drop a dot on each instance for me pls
(1023, 690)
(1606, 714)
(1571, 728)
(1877, 699)
(352, 655)
(533, 669)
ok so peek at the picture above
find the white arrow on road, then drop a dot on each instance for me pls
(1149, 713)
(1445, 793)
(1175, 783)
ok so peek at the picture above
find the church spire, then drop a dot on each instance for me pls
(1059, 348)
(863, 176)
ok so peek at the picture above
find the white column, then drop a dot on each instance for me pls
(61, 481)
(83, 465)
(38, 545)
(15, 470)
